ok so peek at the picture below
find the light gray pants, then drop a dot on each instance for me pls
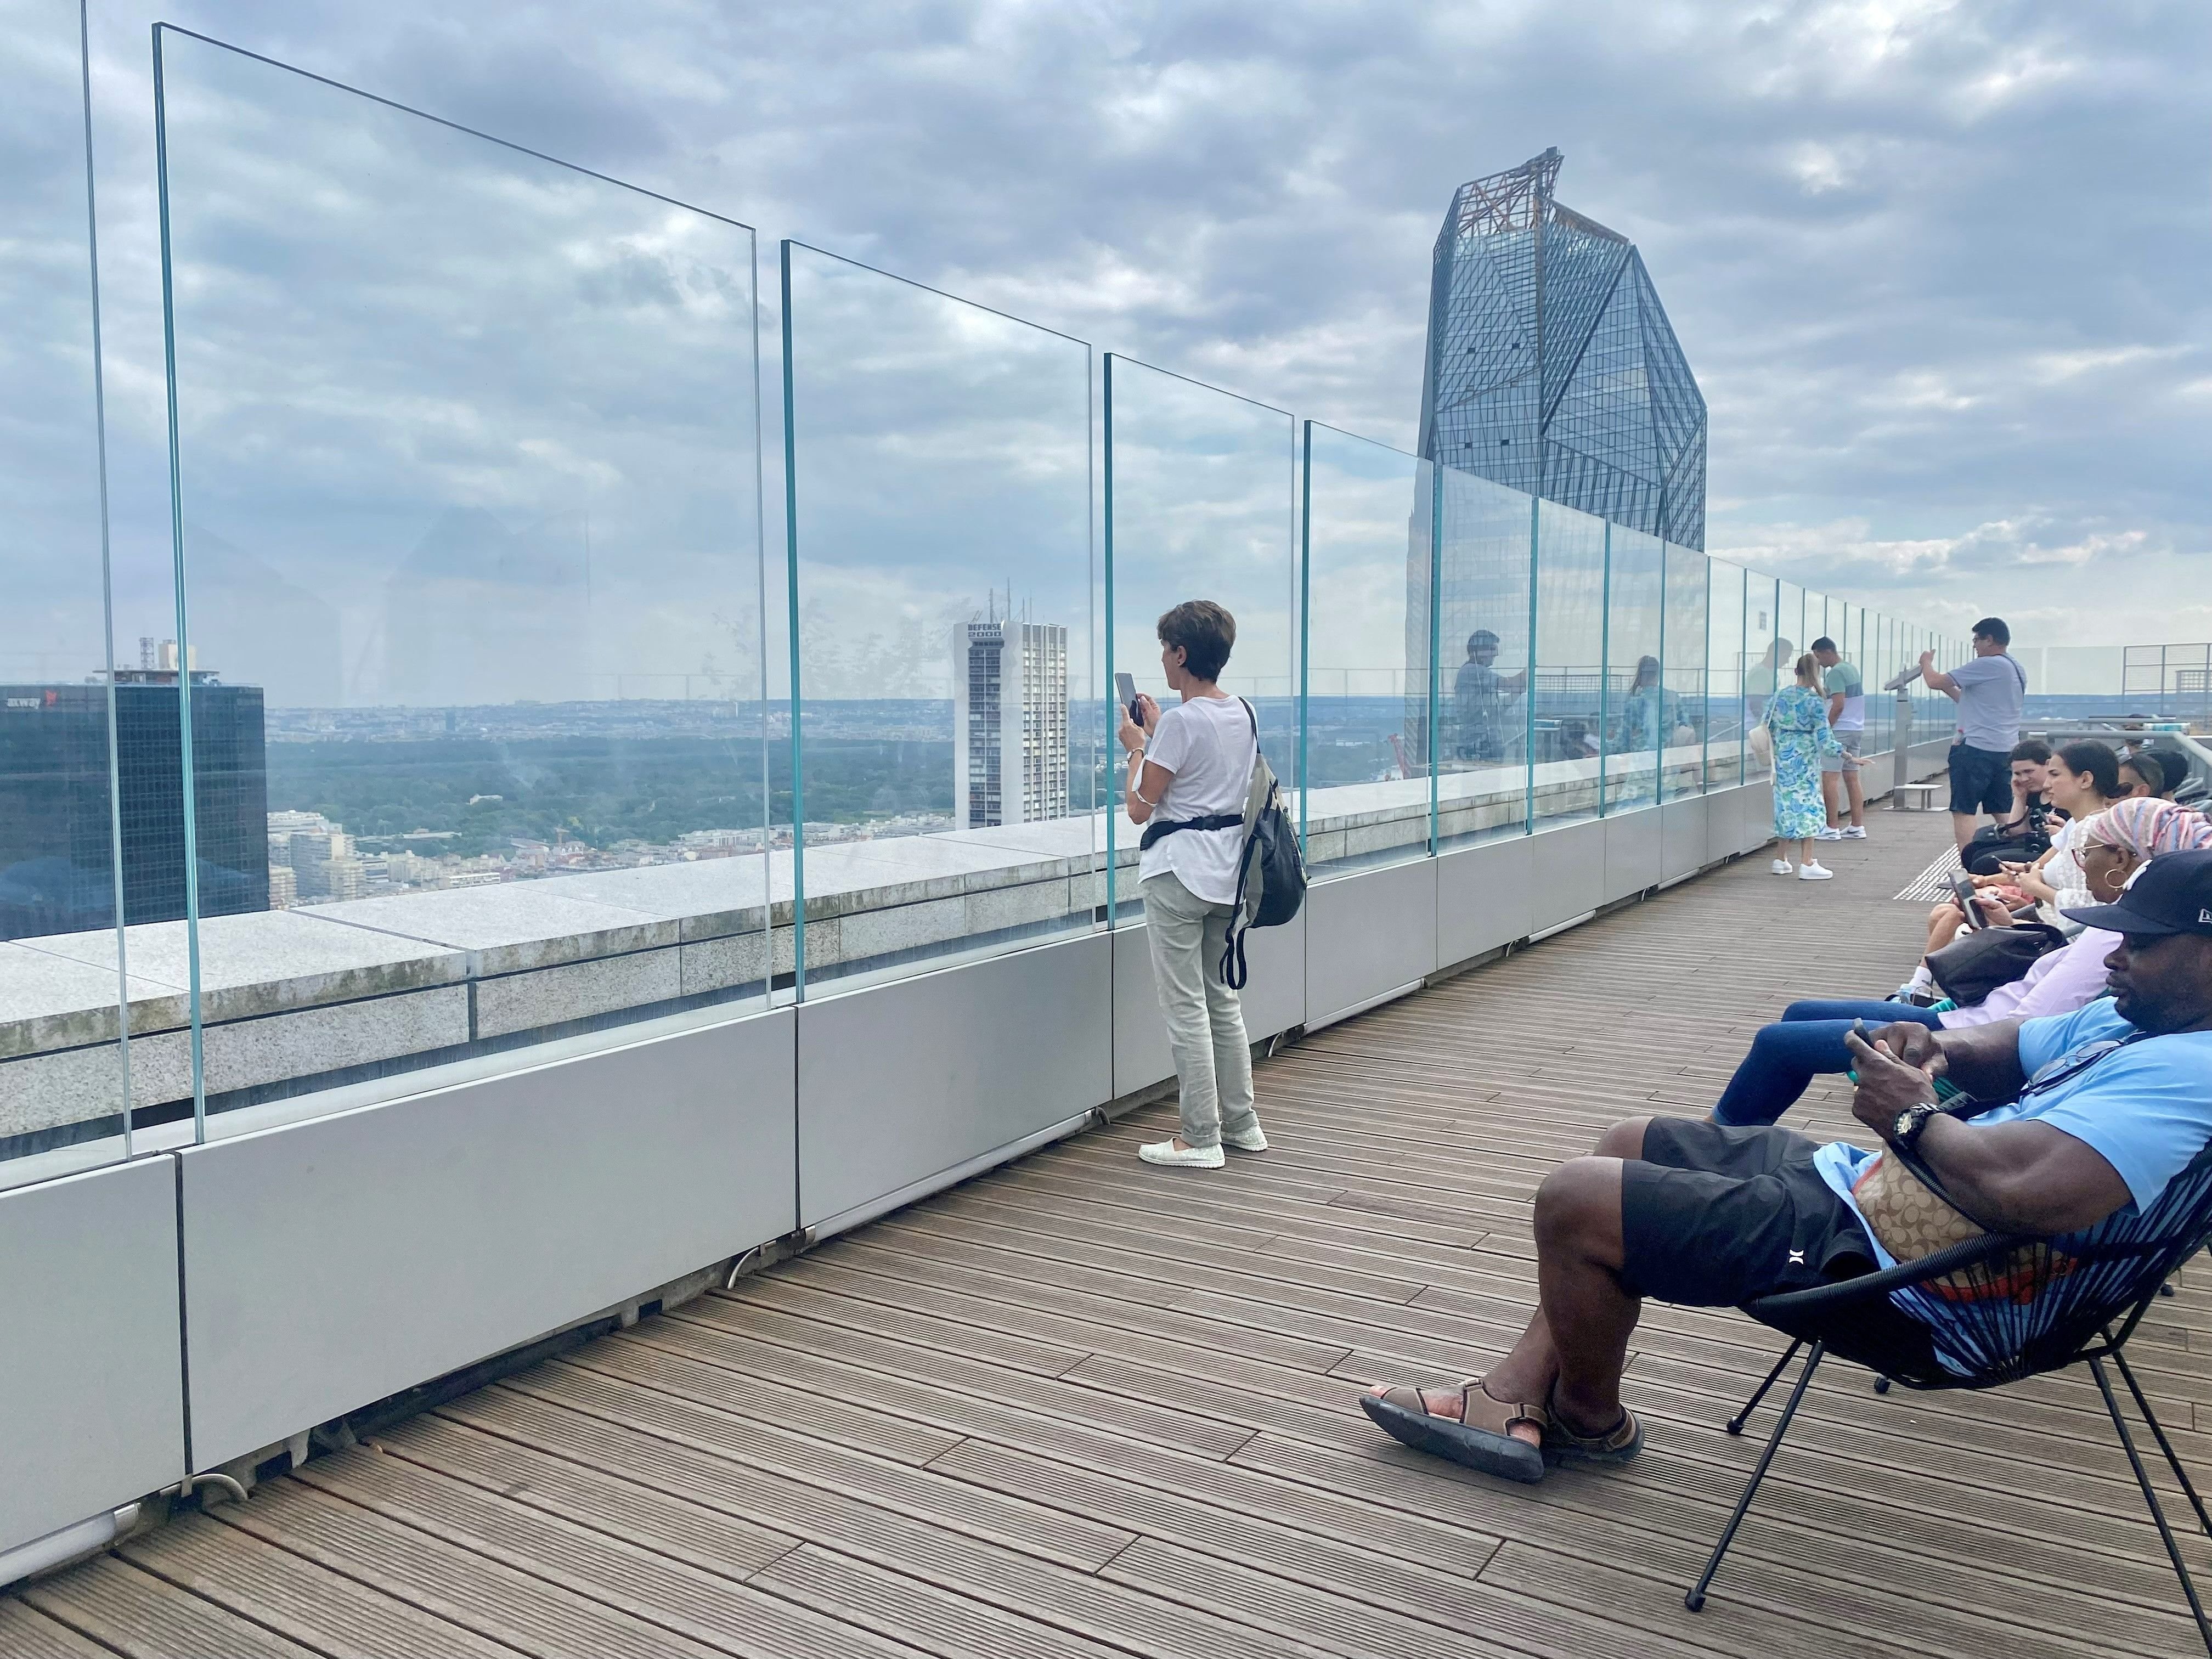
(1206, 1025)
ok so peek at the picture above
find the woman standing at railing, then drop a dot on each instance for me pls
(1190, 769)
(1796, 721)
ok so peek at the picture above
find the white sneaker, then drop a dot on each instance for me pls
(1188, 1157)
(1814, 871)
(1855, 832)
(1828, 833)
(1254, 1139)
(1782, 866)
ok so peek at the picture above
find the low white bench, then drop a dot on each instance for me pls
(1913, 798)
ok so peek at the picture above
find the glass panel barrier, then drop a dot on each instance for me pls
(1568, 709)
(1640, 715)
(951, 738)
(1688, 711)
(1790, 638)
(1487, 535)
(467, 453)
(1368, 518)
(1199, 505)
(1758, 673)
(1724, 676)
(65, 1003)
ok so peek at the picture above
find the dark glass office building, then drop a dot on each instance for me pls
(57, 864)
(1552, 367)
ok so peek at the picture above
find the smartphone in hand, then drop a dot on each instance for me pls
(1964, 890)
(1125, 687)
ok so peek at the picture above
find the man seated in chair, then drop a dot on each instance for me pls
(2114, 1100)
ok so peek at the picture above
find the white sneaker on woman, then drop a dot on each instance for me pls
(1188, 1157)
(1782, 866)
(1254, 1139)
(1815, 870)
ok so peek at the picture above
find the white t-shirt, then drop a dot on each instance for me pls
(1207, 744)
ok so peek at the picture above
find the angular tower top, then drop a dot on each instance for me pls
(1516, 199)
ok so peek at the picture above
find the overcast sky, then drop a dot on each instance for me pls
(1941, 270)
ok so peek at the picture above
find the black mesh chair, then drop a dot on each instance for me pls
(2012, 1306)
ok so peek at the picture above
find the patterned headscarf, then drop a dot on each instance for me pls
(2143, 828)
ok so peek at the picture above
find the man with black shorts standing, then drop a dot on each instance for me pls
(1990, 690)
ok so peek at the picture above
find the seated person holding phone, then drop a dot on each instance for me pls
(2106, 1106)
(2084, 778)
(1808, 1039)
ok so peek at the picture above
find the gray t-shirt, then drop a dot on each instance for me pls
(1991, 692)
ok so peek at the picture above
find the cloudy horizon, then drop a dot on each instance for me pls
(1937, 268)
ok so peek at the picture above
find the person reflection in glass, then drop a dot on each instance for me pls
(1646, 714)
(1480, 697)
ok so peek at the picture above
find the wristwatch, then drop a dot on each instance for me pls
(1911, 1122)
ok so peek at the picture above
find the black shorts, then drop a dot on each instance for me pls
(1981, 780)
(1715, 1217)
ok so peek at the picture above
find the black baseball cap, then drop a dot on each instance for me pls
(2172, 894)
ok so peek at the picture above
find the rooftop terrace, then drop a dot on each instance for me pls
(1084, 1407)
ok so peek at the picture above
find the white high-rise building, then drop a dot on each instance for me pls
(1009, 722)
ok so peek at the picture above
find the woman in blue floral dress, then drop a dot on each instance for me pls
(1796, 719)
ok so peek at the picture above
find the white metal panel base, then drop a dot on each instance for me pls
(1273, 998)
(1682, 837)
(899, 1081)
(1484, 898)
(91, 1408)
(1367, 935)
(1755, 816)
(1566, 873)
(1631, 852)
(332, 1262)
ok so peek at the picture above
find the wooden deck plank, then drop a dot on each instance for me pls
(1081, 1407)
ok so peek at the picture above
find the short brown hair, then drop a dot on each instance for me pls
(1205, 631)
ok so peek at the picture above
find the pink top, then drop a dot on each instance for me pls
(2059, 983)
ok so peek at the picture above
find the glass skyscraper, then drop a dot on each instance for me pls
(1552, 367)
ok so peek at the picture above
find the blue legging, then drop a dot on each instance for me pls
(1784, 1057)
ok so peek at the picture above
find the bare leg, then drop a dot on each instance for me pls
(1857, 791)
(1578, 1339)
(1962, 829)
(1828, 783)
(1944, 922)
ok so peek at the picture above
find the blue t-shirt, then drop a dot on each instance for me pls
(2147, 1110)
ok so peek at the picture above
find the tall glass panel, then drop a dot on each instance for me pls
(1569, 704)
(1760, 672)
(1640, 713)
(1200, 505)
(1724, 676)
(951, 754)
(1790, 638)
(1682, 741)
(1874, 670)
(467, 451)
(1369, 512)
(1487, 653)
(63, 1047)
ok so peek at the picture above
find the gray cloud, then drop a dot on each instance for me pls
(1939, 267)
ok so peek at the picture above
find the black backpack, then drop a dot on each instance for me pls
(1271, 878)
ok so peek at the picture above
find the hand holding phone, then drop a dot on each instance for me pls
(1964, 892)
(1125, 687)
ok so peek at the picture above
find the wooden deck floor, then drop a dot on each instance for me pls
(1082, 1406)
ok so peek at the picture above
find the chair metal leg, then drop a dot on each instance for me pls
(2150, 1497)
(1735, 1424)
(2157, 1432)
(1695, 1600)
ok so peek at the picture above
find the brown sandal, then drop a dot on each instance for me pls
(1616, 1445)
(1404, 1416)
